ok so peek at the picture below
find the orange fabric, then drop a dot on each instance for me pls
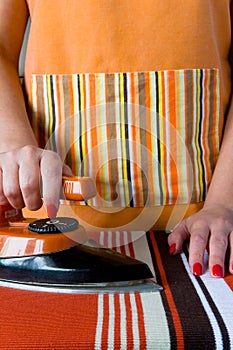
(102, 36)
(55, 321)
(40, 320)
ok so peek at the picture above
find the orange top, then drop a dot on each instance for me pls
(105, 36)
(75, 45)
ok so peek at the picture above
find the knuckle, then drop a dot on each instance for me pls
(220, 242)
(221, 222)
(34, 203)
(10, 158)
(11, 194)
(198, 226)
(198, 239)
(28, 187)
(52, 173)
(53, 164)
(29, 151)
(54, 157)
(3, 200)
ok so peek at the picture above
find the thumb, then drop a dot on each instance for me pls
(178, 236)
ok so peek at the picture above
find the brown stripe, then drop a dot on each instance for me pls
(168, 293)
(40, 112)
(187, 310)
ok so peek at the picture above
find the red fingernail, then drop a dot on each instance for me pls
(217, 271)
(197, 269)
(51, 211)
(172, 249)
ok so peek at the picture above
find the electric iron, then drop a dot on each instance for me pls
(56, 254)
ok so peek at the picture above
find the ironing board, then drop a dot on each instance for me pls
(190, 313)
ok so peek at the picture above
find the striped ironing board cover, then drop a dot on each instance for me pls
(190, 313)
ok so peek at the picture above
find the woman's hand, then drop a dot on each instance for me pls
(212, 229)
(27, 170)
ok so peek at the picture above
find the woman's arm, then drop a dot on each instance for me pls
(14, 124)
(213, 225)
(22, 163)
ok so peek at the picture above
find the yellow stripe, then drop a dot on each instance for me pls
(83, 123)
(161, 132)
(50, 108)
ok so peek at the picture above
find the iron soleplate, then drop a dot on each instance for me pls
(79, 269)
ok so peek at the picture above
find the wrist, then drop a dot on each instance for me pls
(226, 205)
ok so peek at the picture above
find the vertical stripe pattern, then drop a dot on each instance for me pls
(148, 138)
(190, 312)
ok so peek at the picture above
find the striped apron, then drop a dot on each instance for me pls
(146, 138)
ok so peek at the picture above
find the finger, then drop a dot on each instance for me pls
(29, 180)
(3, 200)
(178, 236)
(51, 173)
(66, 171)
(11, 187)
(199, 233)
(231, 253)
(217, 251)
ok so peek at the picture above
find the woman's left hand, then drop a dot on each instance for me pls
(211, 228)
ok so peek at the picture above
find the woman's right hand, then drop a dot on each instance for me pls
(26, 172)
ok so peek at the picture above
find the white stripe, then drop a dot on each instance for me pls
(99, 326)
(142, 251)
(155, 322)
(118, 243)
(125, 242)
(15, 246)
(206, 306)
(110, 244)
(168, 137)
(123, 322)
(135, 329)
(182, 162)
(101, 237)
(111, 323)
(38, 246)
(223, 298)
